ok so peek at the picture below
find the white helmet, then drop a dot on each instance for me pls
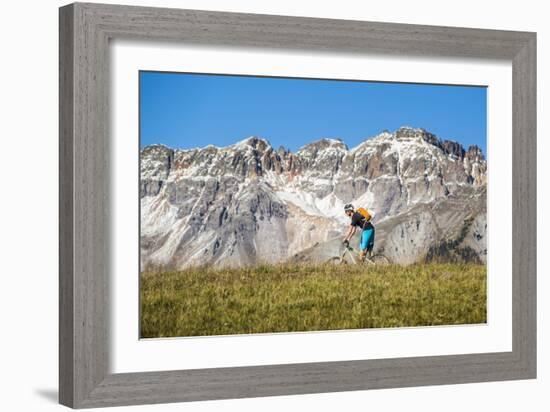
(348, 208)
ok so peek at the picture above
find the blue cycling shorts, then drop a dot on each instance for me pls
(367, 239)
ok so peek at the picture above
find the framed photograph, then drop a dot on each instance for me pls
(256, 205)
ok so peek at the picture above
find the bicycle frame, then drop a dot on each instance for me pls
(352, 252)
(355, 256)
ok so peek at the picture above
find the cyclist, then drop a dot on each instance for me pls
(367, 231)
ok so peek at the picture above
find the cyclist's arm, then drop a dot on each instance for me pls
(350, 233)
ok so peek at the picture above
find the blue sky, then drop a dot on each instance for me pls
(192, 110)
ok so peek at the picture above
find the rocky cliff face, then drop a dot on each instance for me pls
(248, 202)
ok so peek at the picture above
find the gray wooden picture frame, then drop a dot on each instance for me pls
(85, 31)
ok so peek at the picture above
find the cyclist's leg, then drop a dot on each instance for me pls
(367, 238)
(362, 246)
(369, 250)
(370, 246)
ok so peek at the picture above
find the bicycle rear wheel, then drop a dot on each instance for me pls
(380, 259)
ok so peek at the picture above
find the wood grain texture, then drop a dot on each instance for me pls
(238, 29)
(84, 258)
(524, 183)
(66, 229)
(85, 31)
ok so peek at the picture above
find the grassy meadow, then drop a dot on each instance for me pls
(291, 298)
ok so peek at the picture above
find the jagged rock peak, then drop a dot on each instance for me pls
(156, 148)
(283, 151)
(322, 144)
(407, 132)
(450, 147)
(384, 134)
(453, 148)
(475, 153)
(255, 142)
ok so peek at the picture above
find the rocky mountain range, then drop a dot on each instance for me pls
(249, 202)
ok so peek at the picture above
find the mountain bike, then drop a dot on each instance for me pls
(351, 255)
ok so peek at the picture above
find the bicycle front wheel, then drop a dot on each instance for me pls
(336, 260)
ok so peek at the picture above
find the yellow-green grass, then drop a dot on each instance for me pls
(291, 298)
